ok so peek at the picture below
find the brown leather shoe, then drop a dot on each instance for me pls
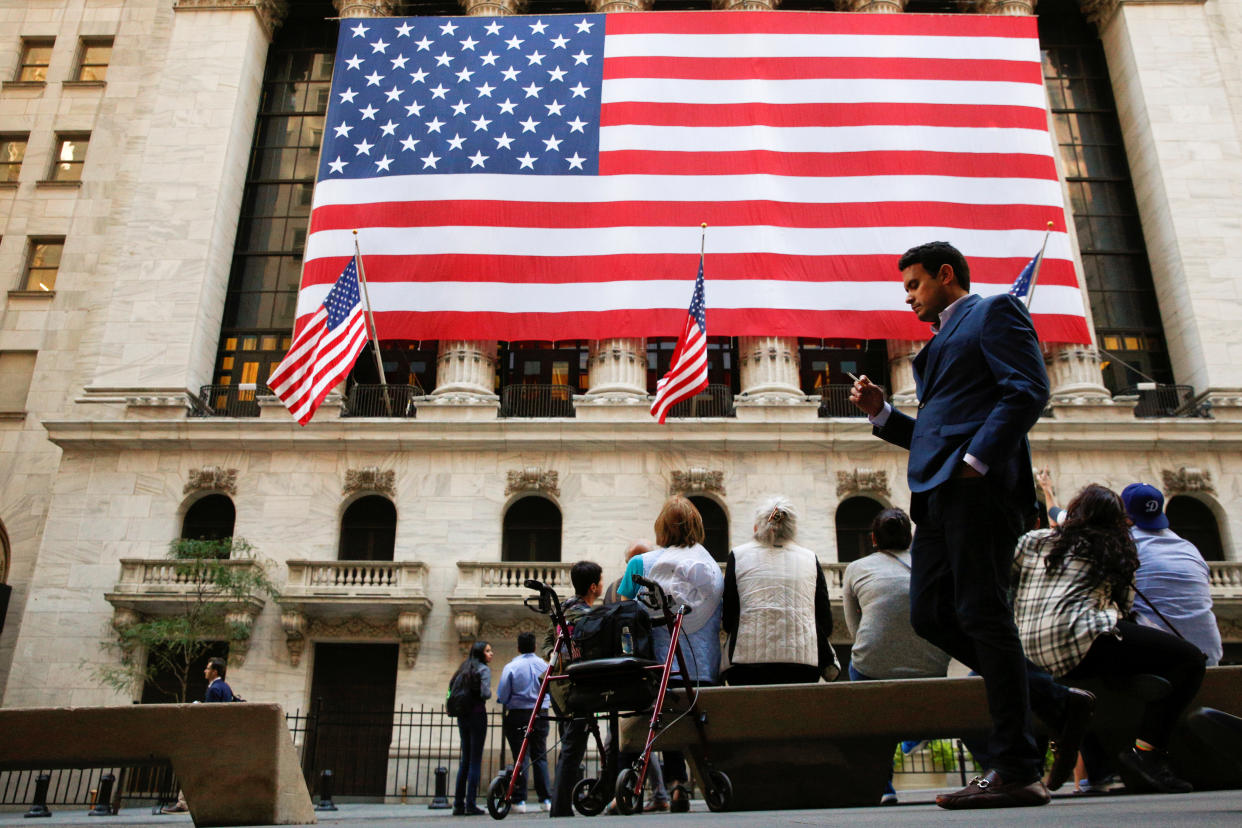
(1068, 739)
(990, 791)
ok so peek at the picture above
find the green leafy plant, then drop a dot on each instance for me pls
(219, 585)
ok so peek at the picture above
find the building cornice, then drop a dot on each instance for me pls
(1171, 435)
(1102, 11)
(271, 13)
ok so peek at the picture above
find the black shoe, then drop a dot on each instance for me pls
(990, 791)
(1152, 767)
(679, 800)
(1079, 706)
(458, 810)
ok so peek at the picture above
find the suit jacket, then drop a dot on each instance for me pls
(218, 691)
(981, 385)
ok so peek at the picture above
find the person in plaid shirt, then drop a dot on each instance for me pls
(1075, 589)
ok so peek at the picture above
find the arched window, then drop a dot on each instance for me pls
(1194, 521)
(532, 531)
(368, 530)
(209, 518)
(854, 517)
(715, 525)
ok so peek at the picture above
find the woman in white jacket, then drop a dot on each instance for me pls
(776, 608)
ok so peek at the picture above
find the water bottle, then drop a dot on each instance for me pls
(627, 642)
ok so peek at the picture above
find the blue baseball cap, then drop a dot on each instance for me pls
(1145, 506)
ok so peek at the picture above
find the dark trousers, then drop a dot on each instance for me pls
(472, 728)
(536, 752)
(740, 675)
(1146, 650)
(574, 736)
(962, 559)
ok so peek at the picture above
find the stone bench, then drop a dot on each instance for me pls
(235, 762)
(831, 745)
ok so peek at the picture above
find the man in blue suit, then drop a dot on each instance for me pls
(981, 385)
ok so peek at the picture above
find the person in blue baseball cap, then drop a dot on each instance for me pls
(1145, 506)
(1173, 582)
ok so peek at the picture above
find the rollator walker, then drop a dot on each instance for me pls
(624, 686)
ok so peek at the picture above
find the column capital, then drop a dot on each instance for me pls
(1011, 8)
(745, 5)
(271, 13)
(492, 8)
(605, 6)
(365, 8)
(872, 6)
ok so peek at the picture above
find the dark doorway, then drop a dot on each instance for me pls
(164, 687)
(209, 518)
(1194, 521)
(854, 517)
(532, 531)
(715, 526)
(368, 530)
(353, 691)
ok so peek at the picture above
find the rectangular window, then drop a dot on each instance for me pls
(93, 58)
(36, 55)
(43, 263)
(70, 156)
(16, 369)
(12, 151)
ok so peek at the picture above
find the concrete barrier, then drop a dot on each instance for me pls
(235, 762)
(831, 745)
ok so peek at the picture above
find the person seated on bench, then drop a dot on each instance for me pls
(776, 609)
(688, 574)
(587, 578)
(1075, 587)
(877, 610)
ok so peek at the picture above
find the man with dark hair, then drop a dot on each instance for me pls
(518, 689)
(587, 578)
(981, 386)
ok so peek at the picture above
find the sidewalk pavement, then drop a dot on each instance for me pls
(1223, 808)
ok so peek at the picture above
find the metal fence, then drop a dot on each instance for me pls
(714, 401)
(834, 401)
(1165, 401)
(381, 401)
(537, 401)
(227, 401)
(152, 785)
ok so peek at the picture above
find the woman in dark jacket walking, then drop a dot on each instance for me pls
(472, 727)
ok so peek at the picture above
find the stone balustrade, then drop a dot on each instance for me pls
(385, 579)
(141, 576)
(1226, 579)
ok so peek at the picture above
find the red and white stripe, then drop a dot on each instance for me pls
(687, 374)
(317, 361)
(818, 147)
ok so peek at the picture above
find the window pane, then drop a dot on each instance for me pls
(70, 155)
(96, 56)
(36, 55)
(12, 151)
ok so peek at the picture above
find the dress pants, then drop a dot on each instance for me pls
(962, 564)
(536, 752)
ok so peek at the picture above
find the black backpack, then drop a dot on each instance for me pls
(464, 690)
(614, 630)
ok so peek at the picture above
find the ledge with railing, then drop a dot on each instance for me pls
(227, 400)
(395, 401)
(537, 401)
(1226, 579)
(349, 579)
(834, 401)
(1158, 400)
(714, 401)
(163, 586)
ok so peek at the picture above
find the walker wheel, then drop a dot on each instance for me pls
(629, 800)
(586, 798)
(498, 803)
(719, 791)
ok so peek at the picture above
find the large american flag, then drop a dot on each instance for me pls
(545, 177)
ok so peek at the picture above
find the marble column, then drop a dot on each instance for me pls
(617, 367)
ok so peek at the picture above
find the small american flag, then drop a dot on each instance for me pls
(687, 375)
(1023, 286)
(324, 350)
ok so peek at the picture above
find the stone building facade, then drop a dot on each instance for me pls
(110, 435)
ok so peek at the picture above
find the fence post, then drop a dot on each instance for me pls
(440, 800)
(961, 760)
(39, 807)
(325, 792)
(103, 800)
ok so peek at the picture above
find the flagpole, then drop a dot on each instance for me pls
(379, 363)
(1030, 294)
